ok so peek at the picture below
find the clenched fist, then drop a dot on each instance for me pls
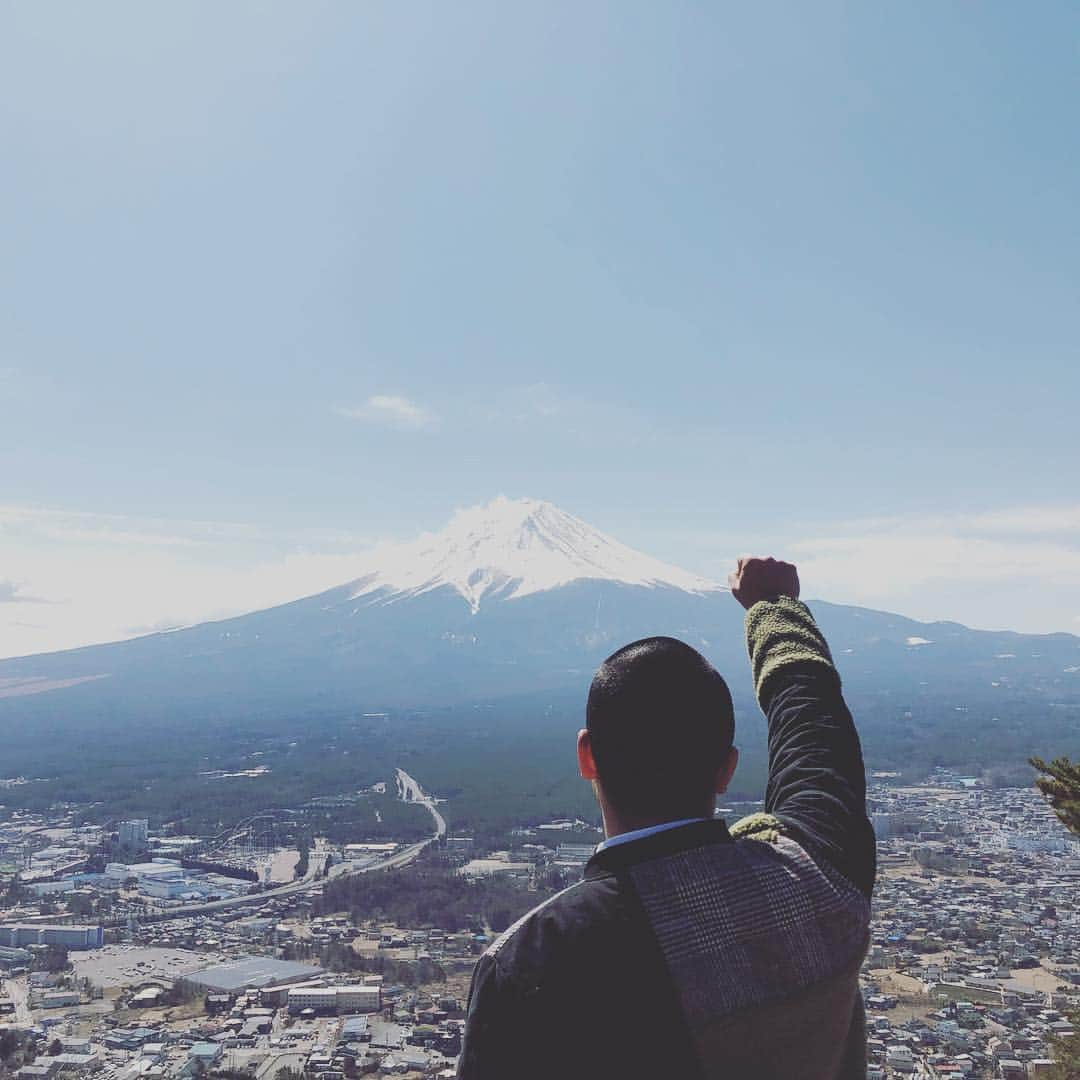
(763, 579)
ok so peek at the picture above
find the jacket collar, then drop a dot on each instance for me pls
(656, 846)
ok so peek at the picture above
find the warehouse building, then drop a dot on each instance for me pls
(250, 973)
(59, 999)
(20, 935)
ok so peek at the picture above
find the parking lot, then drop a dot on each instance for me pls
(126, 965)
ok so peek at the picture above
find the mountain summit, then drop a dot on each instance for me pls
(511, 548)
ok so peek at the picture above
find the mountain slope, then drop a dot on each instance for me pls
(518, 598)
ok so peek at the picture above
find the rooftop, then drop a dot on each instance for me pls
(252, 972)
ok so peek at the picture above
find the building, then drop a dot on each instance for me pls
(357, 851)
(888, 823)
(355, 1029)
(359, 999)
(78, 1062)
(499, 863)
(939, 857)
(277, 997)
(900, 1058)
(205, 1052)
(1019, 842)
(164, 879)
(49, 888)
(133, 834)
(10, 958)
(326, 999)
(128, 1038)
(51, 860)
(319, 998)
(59, 999)
(37, 1072)
(250, 973)
(573, 854)
(19, 935)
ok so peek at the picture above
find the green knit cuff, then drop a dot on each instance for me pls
(758, 826)
(781, 632)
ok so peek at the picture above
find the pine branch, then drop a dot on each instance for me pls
(1060, 783)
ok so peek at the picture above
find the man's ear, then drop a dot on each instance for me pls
(727, 770)
(585, 763)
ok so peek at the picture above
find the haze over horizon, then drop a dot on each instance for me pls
(284, 283)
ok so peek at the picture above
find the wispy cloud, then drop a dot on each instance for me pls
(392, 409)
(1016, 568)
(1060, 518)
(92, 529)
(100, 577)
(12, 593)
(100, 529)
(1037, 544)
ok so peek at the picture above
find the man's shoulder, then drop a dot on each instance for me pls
(559, 991)
(566, 926)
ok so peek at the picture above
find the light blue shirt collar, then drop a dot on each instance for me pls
(640, 834)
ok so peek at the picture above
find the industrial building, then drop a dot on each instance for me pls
(20, 935)
(10, 957)
(59, 999)
(250, 973)
(328, 999)
(164, 879)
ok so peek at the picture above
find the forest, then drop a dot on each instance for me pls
(497, 764)
(429, 894)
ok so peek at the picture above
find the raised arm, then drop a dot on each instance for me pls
(817, 784)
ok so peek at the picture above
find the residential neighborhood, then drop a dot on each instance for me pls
(158, 968)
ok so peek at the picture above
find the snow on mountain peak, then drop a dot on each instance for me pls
(511, 548)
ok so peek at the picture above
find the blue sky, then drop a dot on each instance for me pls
(282, 280)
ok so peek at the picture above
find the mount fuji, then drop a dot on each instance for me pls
(518, 598)
(513, 548)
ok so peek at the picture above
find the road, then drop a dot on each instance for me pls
(408, 791)
(19, 992)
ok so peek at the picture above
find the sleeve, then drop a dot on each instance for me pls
(817, 783)
(486, 1049)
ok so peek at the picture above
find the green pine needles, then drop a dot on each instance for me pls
(1060, 783)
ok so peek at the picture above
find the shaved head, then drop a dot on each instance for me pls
(661, 724)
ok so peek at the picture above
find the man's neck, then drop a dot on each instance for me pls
(615, 824)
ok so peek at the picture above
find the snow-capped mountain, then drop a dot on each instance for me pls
(520, 598)
(511, 548)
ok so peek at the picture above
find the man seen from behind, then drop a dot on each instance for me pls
(691, 950)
